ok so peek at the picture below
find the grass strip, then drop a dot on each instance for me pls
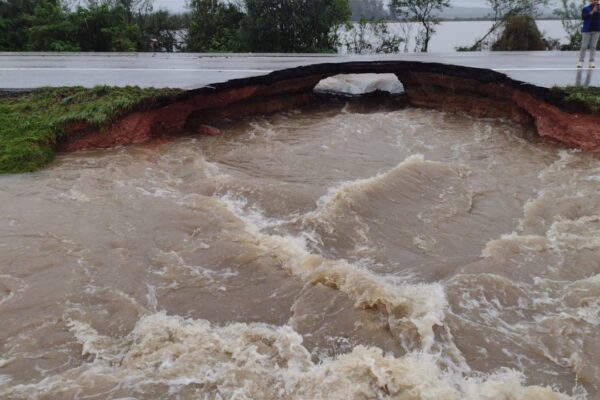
(586, 99)
(33, 122)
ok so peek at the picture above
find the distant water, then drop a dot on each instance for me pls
(452, 34)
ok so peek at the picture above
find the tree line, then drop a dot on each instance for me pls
(207, 26)
(299, 26)
(112, 25)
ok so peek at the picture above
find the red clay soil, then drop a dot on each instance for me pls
(141, 125)
(500, 100)
(581, 131)
(482, 93)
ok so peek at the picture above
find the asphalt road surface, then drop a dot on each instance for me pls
(188, 70)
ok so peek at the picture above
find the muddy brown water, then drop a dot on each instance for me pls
(342, 251)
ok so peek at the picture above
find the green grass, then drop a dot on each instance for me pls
(585, 99)
(32, 123)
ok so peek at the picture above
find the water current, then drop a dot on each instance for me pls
(343, 251)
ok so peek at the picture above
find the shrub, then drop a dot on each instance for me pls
(520, 34)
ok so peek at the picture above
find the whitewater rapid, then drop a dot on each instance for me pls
(347, 250)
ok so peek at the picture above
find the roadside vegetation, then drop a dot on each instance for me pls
(513, 20)
(426, 13)
(371, 37)
(520, 34)
(111, 25)
(206, 26)
(32, 123)
(570, 16)
(214, 25)
(303, 26)
(580, 98)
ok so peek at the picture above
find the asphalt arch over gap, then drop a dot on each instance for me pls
(476, 91)
(285, 89)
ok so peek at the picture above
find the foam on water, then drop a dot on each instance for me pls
(255, 265)
(422, 305)
(341, 193)
(172, 355)
(342, 198)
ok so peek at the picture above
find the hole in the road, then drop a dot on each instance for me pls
(359, 84)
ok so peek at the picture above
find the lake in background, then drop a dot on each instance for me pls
(452, 34)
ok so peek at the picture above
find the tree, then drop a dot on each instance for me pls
(368, 9)
(158, 30)
(301, 26)
(214, 26)
(101, 25)
(133, 8)
(570, 15)
(520, 34)
(15, 19)
(162, 31)
(105, 28)
(502, 10)
(425, 12)
(367, 37)
(96, 28)
(51, 29)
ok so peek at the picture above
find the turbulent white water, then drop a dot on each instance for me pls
(344, 251)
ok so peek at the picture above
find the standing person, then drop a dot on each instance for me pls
(590, 32)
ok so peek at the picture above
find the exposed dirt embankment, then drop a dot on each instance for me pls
(479, 92)
(488, 94)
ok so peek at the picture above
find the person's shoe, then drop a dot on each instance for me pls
(592, 65)
(579, 65)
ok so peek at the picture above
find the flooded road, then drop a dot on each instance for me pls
(346, 250)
